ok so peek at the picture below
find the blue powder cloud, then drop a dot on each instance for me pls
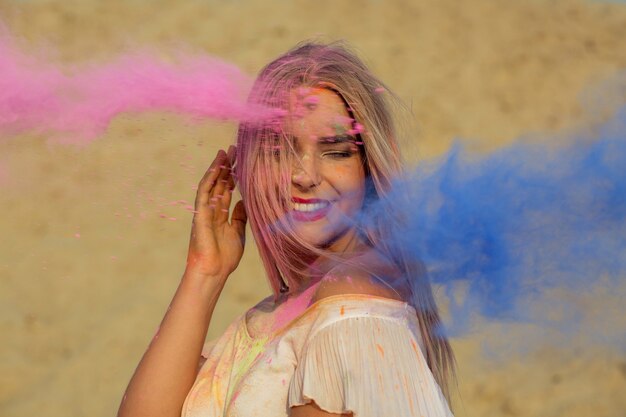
(518, 223)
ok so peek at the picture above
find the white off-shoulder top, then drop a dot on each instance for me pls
(349, 353)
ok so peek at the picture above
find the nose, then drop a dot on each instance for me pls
(305, 172)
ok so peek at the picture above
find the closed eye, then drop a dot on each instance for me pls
(338, 154)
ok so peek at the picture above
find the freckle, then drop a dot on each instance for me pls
(380, 350)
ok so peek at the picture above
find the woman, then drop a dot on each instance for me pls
(351, 327)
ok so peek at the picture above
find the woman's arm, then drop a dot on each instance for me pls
(169, 367)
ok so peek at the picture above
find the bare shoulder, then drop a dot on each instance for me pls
(312, 410)
(370, 273)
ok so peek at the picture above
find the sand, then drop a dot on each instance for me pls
(88, 265)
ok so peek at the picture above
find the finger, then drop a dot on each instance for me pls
(239, 219)
(222, 193)
(224, 172)
(233, 162)
(230, 184)
(224, 204)
(212, 168)
(208, 180)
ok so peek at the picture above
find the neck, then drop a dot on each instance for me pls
(347, 246)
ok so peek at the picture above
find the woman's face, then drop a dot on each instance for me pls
(327, 175)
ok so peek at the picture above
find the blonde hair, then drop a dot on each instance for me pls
(265, 190)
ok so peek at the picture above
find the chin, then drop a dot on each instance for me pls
(320, 238)
(317, 240)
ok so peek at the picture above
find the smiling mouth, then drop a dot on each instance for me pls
(310, 211)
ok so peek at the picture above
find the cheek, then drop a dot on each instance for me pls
(351, 179)
(341, 172)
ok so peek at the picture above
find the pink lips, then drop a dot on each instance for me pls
(309, 216)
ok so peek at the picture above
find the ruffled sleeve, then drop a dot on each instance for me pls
(207, 348)
(369, 366)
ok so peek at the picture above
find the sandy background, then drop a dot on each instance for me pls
(88, 265)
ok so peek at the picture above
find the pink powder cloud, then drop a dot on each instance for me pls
(76, 103)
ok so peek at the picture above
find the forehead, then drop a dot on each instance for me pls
(315, 112)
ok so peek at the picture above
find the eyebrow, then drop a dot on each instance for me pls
(331, 140)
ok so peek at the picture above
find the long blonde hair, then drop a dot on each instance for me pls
(265, 189)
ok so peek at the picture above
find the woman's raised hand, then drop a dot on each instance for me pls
(216, 246)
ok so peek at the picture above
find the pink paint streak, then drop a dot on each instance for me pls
(76, 103)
